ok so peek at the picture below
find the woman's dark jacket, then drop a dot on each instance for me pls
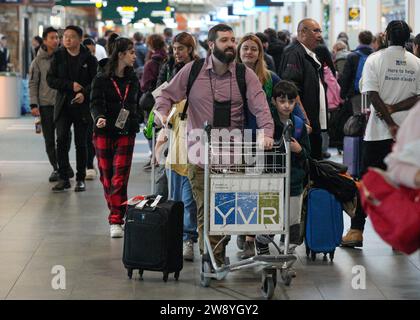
(106, 103)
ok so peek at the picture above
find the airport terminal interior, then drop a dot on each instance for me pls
(59, 245)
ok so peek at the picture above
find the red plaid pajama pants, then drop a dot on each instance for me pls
(114, 161)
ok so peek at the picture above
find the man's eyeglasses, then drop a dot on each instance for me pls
(314, 30)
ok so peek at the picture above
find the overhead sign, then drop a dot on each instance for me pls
(269, 3)
(142, 10)
(354, 13)
(74, 3)
(247, 7)
(42, 1)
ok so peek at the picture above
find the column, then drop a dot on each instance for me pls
(338, 19)
(315, 10)
(413, 12)
(371, 15)
(297, 13)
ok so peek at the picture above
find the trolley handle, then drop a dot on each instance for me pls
(287, 130)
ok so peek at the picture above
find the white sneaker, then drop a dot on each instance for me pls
(188, 250)
(91, 174)
(116, 231)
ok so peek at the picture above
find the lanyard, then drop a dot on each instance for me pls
(119, 92)
(211, 86)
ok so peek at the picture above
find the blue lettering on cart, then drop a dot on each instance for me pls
(225, 208)
(246, 207)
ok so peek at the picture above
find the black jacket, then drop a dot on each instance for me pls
(270, 62)
(58, 78)
(297, 66)
(168, 71)
(350, 70)
(276, 49)
(106, 103)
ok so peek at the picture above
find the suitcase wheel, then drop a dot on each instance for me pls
(141, 274)
(313, 256)
(165, 276)
(332, 256)
(308, 251)
(325, 257)
(130, 273)
(176, 275)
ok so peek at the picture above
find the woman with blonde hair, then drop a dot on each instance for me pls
(250, 52)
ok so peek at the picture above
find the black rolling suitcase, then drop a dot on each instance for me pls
(153, 238)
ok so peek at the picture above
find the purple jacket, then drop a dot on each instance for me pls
(151, 71)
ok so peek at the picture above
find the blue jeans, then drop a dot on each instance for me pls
(181, 191)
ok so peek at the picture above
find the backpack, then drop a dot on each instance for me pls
(140, 55)
(240, 79)
(148, 129)
(355, 126)
(362, 60)
(333, 89)
(147, 101)
(336, 124)
(328, 175)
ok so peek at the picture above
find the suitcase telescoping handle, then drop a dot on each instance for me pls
(365, 104)
(149, 202)
(153, 171)
(152, 161)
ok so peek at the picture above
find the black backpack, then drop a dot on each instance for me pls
(355, 126)
(327, 175)
(240, 79)
(336, 124)
(147, 101)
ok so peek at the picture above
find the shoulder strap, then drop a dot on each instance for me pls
(268, 87)
(195, 70)
(241, 80)
(298, 127)
(361, 54)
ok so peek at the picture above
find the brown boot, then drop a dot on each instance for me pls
(353, 238)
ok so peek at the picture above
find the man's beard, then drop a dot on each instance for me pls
(222, 56)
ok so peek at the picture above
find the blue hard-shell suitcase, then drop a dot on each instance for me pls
(352, 156)
(324, 223)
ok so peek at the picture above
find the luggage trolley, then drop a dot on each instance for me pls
(250, 196)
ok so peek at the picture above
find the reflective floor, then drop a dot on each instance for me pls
(40, 230)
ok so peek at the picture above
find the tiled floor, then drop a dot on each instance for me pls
(40, 230)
